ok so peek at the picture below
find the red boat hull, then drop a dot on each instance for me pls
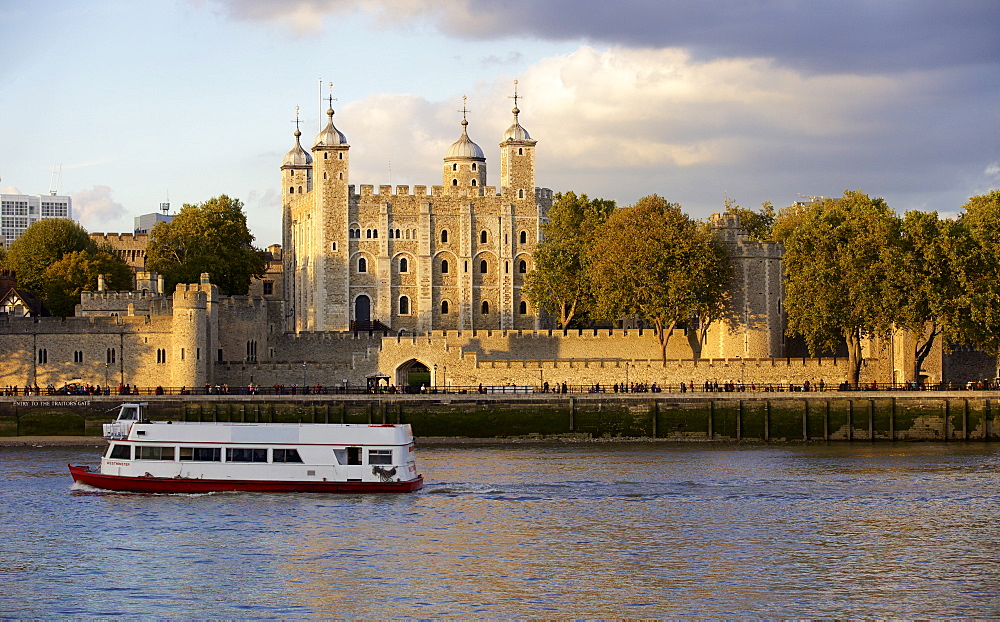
(180, 485)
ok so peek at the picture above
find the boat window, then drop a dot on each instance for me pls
(239, 454)
(120, 452)
(202, 454)
(153, 452)
(379, 456)
(353, 455)
(286, 455)
(128, 414)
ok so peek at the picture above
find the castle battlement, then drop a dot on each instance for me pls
(250, 302)
(118, 295)
(121, 237)
(369, 190)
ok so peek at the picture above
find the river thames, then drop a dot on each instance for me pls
(589, 530)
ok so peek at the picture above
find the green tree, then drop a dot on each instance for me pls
(978, 274)
(560, 281)
(42, 244)
(653, 261)
(207, 237)
(78, 272)
(839, 259)
(758, 224)
(931, 300)
(56, 260)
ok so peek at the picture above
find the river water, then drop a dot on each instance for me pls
(597, 530)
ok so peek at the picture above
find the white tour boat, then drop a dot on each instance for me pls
(167, 456)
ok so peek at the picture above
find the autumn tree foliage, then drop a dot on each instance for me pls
(653, 261)
(561, 281)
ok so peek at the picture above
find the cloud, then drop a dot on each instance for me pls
(96, 210)
(307, 17)
(661, 120)
(858, 36)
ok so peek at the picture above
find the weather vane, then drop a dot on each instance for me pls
(464, 109)
(515, 96)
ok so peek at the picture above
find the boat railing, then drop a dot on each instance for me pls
(118, 429)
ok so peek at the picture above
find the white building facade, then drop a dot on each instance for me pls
(18, 211)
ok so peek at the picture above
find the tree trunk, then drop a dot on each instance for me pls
(703, 324)
(664, 336)
(922, 350)
(854, 360)
(566, 315)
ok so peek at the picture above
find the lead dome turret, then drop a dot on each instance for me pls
(297, 156)
(464, 148)
(330, 136)
(515, 131)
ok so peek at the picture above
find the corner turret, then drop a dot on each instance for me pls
(517, 159)
(465, 162)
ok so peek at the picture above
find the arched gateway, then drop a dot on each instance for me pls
(412, 375)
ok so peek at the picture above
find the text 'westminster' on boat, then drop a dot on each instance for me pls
(195, 457)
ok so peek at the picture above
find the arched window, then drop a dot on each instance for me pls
(523, 308)
(524, 237)
(522, 266)
(340, 156)
(374, 233)
(397, 233)
(368, 233)
(506, 267)
(520, 151)
(473, 166)
(362, 264)
(403, 264)
(486, 307)
(520, 194)
(291, 189)
(444, 307)
(454, 182)
(474, 182)
(444, 266)
(454, 167)
(482, 237)
(326, 156)
(404, 305)
(300, 189)
(483, 266)
(444, 236)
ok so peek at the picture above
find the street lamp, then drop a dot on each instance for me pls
(435, 377)
(626, 378)
(303, 377)
(541, 382)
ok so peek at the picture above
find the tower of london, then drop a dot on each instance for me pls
(406, 285)
(444, 257)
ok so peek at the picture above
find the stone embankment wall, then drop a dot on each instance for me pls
(782, 418)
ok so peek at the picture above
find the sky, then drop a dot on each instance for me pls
(125, 104)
